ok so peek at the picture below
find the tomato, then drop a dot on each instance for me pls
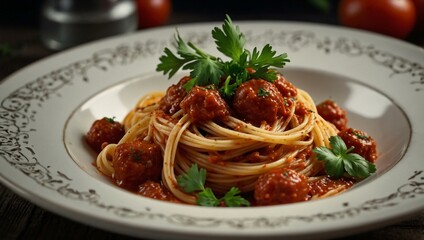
(152, 13)
(395, 18)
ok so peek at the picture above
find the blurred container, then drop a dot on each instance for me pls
(66, 23)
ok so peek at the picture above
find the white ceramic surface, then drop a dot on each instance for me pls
(47, 107)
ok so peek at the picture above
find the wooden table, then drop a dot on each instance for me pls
(20, 219)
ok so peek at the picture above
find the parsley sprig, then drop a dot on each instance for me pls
(193, 181)
(206, 69)
(338, 160)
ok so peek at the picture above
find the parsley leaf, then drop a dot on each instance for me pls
(170, 63)
(339, 160)
(232, 200)
(207, 198)
(206, 69)
(230, 41)
(228, 89)
(194, 181)
(267, 58)
(265, 74)
(357, 166)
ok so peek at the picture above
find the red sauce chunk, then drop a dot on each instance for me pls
(136, 162)
(204, 104)
(363, 144)
(326, 184)
(332, 113)
(301, 111)
(157, 191)
(280, 186)
(269, 153)
(170, 103)
(102, 132)
(305, 153)
(258, 100)
(285, 87)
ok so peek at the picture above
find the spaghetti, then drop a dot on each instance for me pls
(184, 143)
(251, 130)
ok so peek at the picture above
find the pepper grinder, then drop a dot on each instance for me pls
(67, 23)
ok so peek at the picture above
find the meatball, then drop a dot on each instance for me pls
(170, 103)
(136, 162)
(258, 100)
(280, 186)
(104, 131)
(285, 87)
(157, 191)
(203, 104)
(363, 144)
(331, 112)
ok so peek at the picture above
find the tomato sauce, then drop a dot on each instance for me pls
(285, 87)
(157, 191)
(326, 184)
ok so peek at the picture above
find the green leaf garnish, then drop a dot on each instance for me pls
(207, 198)
(170, 63)
(230, 41)
(136, 154)
(110, 120)
(231, 198)
(206, 69)
(262, 92)
(338, 160)
(194, 181)
(267, 58)
(361, 136)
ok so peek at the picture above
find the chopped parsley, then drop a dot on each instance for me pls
(360, 136)
(262, 92)
(206, 69)
(338, 160)
(136, 154)
(110, 120)
(193, 181)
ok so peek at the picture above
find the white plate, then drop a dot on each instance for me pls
(47, 107)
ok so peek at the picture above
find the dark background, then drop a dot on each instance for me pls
(19, 22)
(19, 31)
(26, 12)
